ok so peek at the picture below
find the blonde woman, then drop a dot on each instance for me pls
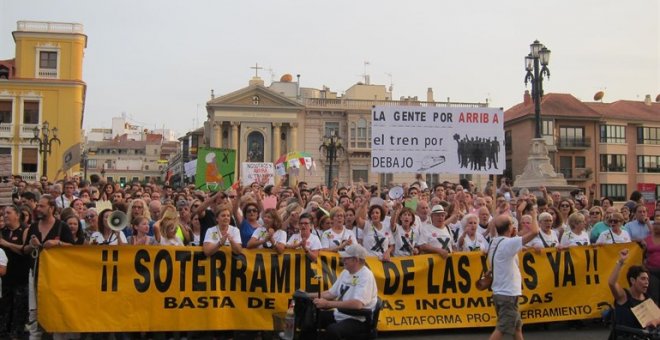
(616, 233)
(271, 235)
(577, 234)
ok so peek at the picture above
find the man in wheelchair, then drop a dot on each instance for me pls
(354, 291)
(626, 324)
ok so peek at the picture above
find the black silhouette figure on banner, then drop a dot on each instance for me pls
(477, 153)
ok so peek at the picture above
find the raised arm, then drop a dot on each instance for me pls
(618, 292)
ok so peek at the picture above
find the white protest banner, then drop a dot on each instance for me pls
(189, 168)
(437, 140)
(262, 173)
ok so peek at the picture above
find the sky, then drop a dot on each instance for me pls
(157, 61)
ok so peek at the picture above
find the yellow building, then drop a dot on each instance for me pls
(42, 84)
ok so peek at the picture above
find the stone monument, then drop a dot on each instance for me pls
(539, 172)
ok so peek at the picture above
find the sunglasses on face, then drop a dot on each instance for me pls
(615, 221)
(564, 206)
(594, 213)
(251, 211)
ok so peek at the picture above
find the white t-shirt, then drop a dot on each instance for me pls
(98, 238)
(550, 240)
(405, 241)
(478, 244)
(359, 286)
(261, 234)
(376, 241)
(437, 237)
(313, 242)
(357, 231)
(3, 263)
(213, 235)
(330, 238)
(506, 274)
(606, 237)
(175, 241)
(571, 239)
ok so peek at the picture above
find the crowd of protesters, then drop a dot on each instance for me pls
(442, 219)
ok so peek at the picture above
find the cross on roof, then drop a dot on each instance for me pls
(256, 69)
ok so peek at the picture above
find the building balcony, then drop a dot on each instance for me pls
(47, 73)
(573, 143)
(27, 130)
(47, 26)
(6, 130)
(576, 174)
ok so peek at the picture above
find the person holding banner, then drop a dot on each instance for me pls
(222, 234)
(470, 239)
(576, 235)
(338, 237)
(355, 288)
(377, 236)
(271, 235)
(547, 237)
(615, 234)
(47, 233)
(405, 232)
(437, 238)
(305, 239)
(507, 280)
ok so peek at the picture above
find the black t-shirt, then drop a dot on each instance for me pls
(59, 231)
(623, 314)
(206, 222)
(18, 266)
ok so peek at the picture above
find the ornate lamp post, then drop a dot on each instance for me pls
(331, 148)
(539, 170)
(539, 54)
(45, 143)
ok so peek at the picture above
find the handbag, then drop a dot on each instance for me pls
(486, 279)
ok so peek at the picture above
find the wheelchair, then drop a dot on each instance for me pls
(306, 318)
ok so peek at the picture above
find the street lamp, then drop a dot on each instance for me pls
(539, 55)
(331, 148)
(45, 143)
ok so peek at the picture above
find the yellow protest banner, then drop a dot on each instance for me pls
(132, 288)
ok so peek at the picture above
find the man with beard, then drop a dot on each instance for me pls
(46, 233)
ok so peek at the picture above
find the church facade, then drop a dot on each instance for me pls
(262, 123)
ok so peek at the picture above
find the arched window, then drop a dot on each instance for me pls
(255, 147)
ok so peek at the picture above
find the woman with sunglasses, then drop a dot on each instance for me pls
(602, 225)
(595, 216)
(615, 234)
(248, 222)
(566, 209)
